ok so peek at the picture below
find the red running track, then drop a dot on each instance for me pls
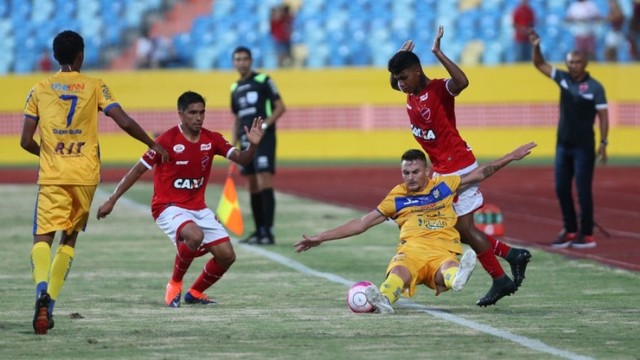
(524, 194)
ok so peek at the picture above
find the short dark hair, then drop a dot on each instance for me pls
(402, 60)
(187, 98)
(413, 155)
(240, 49)
(66, 46)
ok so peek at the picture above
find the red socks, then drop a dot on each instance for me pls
(211, 273)
(490, 263)
(183, 260)
(499, 248)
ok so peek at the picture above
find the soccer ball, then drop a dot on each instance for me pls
(357, 300)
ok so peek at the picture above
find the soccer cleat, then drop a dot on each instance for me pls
(467, 264)
(563, 240)
(42, 320)
(501, 287)
(172, 296)
(379, 301)
(584, 242)
(251, 238)
(196, 297)
(518, 259)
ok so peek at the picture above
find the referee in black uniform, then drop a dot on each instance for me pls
(255, 94)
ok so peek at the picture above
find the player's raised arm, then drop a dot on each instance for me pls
(353, 227)
(254, 135)
(459, 80)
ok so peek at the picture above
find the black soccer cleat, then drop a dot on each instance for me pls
(518, 259)
(501, 287)
(42, 320)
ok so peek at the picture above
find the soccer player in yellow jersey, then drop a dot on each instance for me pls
(64, 109)
(429, 243)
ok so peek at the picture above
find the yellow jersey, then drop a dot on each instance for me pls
(426, 216)
(66, 107)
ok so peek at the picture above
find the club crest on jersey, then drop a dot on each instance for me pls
(252, 97)
(205, 147)
(178, 148)
(425, 113)
(205, 161)
(583, 87)
(189, 184)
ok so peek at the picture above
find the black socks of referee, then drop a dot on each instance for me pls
(263, 205)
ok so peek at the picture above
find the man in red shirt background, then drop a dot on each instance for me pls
(523, 20)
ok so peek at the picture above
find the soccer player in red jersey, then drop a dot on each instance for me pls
(178, 204)
(431, 110)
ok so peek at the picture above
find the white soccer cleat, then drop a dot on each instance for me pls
(467, 264)
(379, 301)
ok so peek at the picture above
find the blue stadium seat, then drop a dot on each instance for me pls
(336, 33)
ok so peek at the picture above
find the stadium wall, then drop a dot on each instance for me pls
(347, 113)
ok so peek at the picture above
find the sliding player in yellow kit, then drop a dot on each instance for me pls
(64, 109)
(429, 242)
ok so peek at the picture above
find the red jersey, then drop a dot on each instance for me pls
(433, 123)
(523, 18)
(182, 181)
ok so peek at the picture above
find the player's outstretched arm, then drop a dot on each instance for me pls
(353, 227)
(254, 135)
(484, 171)
(131, 127)
(459, 80)
(125, 183)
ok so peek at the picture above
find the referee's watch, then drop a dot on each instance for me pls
(604, 142)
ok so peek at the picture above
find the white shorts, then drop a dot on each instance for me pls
(471, 198)
(174, 218)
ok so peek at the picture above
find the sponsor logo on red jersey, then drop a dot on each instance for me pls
(189, 184)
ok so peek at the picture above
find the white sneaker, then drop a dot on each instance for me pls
(467, 264)
(379, 301)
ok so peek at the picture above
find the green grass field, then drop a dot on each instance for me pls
(275, 304)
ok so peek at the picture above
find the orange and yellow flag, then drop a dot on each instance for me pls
(228, 211)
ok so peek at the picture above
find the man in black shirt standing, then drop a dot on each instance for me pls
(255, 94)
(581, 99)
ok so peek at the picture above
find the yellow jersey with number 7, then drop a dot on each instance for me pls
(66, 107)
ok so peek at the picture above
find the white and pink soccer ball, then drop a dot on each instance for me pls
(357, 300)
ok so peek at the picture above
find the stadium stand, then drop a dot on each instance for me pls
(327, 33)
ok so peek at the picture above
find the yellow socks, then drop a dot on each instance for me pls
(40, 262)
(449, 275)
(392, 287)
(60, 269)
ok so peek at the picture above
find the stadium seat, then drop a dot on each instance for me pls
(353, 27)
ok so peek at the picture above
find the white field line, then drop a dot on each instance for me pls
(403, 303)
